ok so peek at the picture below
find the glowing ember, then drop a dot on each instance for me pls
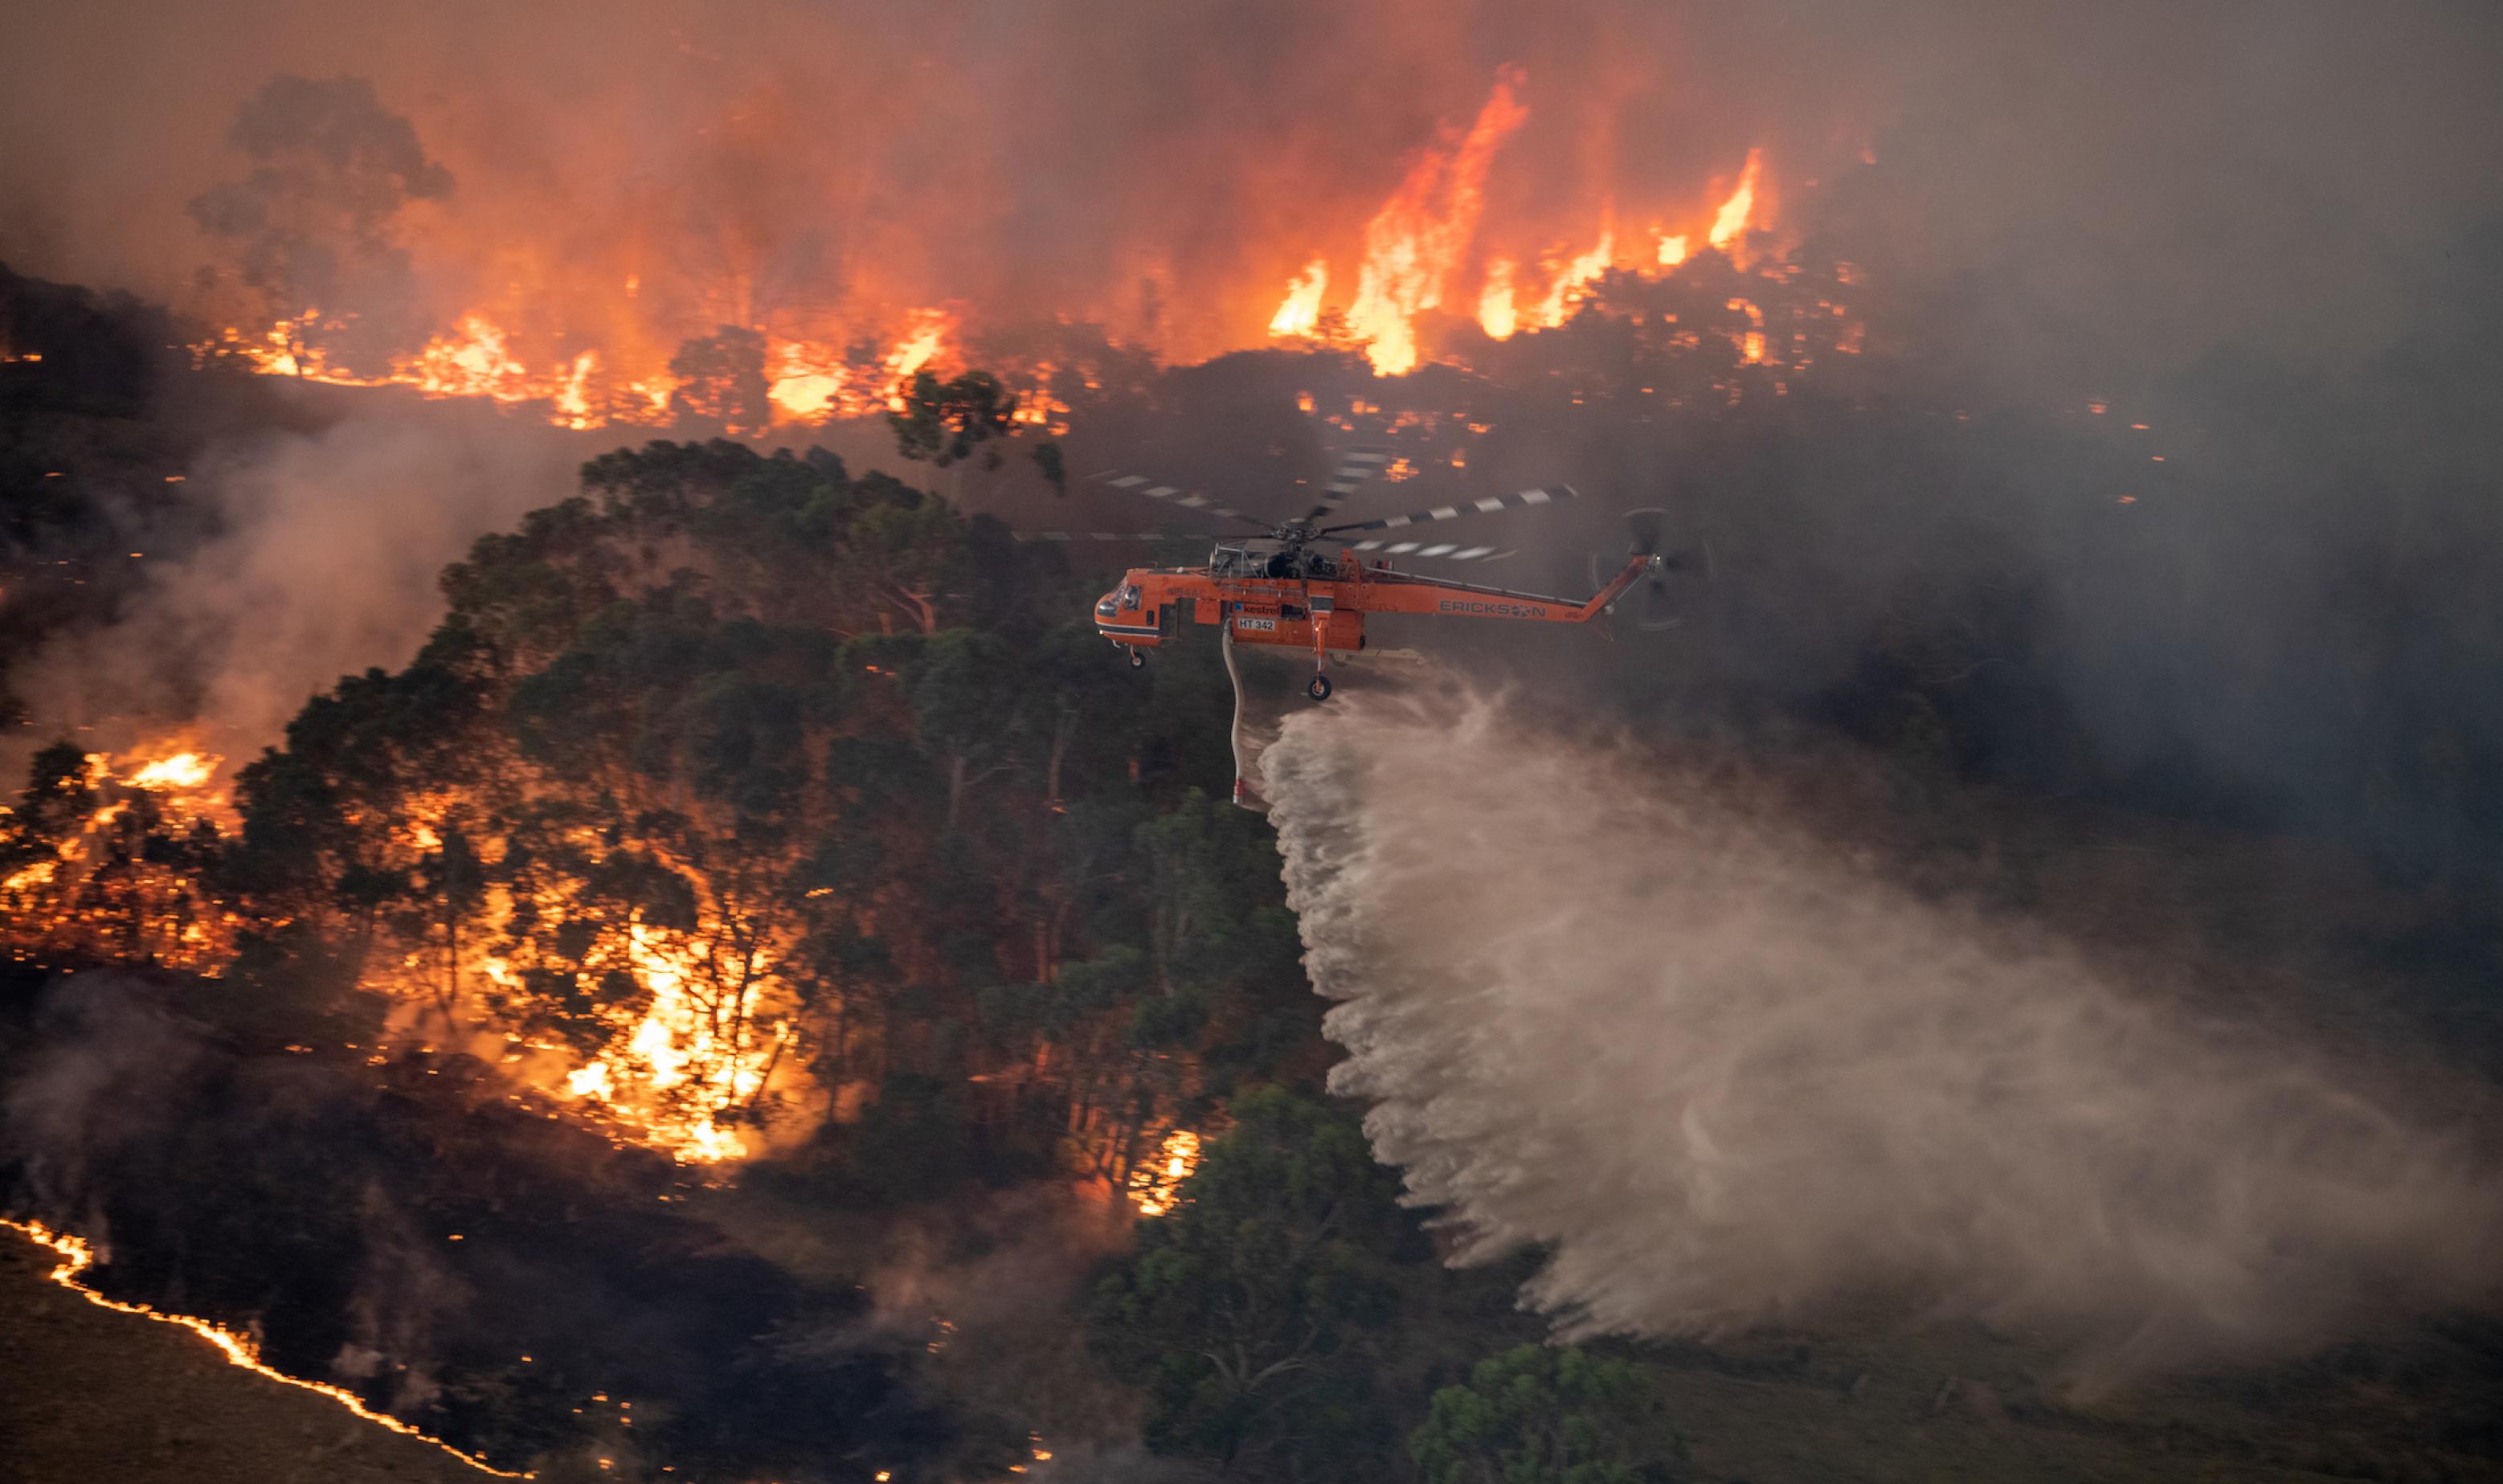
(77, 1256)
(1155, 1185)
(1672, 250)
(1751, 344)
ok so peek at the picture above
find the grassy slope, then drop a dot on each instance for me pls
(88, 1396)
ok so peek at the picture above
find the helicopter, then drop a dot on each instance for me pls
(1288, 589)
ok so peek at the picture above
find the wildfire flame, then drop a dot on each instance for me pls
(625, 335)
(98, 883)
(77, 1256)
(680, 1072)
(1416, 242)
(1577, 274)
(183, 770)
(1155, 1185)
(1496, 312)
(1422, 237)
(1731, 218)
(1301, 313)
(806, 379)
(684, 1061)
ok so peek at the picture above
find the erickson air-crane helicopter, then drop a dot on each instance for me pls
(1279, 590)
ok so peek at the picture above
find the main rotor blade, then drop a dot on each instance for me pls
(1545, 495)
(1107, 535)
(1447, 551)
(1358, 466)
(1172, 494)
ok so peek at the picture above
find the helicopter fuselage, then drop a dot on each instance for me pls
(1292, 598)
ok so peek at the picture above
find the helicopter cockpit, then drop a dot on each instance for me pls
(1262, 557)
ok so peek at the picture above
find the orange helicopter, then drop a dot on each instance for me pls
(1278, 589)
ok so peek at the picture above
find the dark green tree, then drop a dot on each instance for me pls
(1053, 467)
(721, 380)
(966, 689)
(1542, 1414)
(1246, 1311)
(943, 422)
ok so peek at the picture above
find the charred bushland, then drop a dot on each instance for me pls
(401, 1226)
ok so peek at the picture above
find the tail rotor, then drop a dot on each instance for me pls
(1658, 603)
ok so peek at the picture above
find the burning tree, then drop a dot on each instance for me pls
(312, 224)
(731, 794)
(99, 864)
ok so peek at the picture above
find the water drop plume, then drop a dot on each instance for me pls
(1728, 1075)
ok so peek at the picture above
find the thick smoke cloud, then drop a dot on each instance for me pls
(1729, 1078)
(326, 562)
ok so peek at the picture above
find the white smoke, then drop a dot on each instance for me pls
(327, 563)
(1729, 1077)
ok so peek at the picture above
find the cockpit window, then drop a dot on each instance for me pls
(1129, 596)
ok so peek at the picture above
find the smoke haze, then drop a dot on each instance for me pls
(2270, 231)
(325, 562)
(1167, 171)
(1729, 1077)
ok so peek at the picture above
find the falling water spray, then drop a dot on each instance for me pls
(1726, 1076)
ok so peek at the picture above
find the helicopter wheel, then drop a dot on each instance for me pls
(1319, 689)
(1138, 661)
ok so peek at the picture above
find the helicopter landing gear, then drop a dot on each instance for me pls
(1319, 689)
(1138, 661)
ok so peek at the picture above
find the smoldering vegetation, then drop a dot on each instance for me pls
(193, 552)
(400, 1224)
(1726, 1074)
